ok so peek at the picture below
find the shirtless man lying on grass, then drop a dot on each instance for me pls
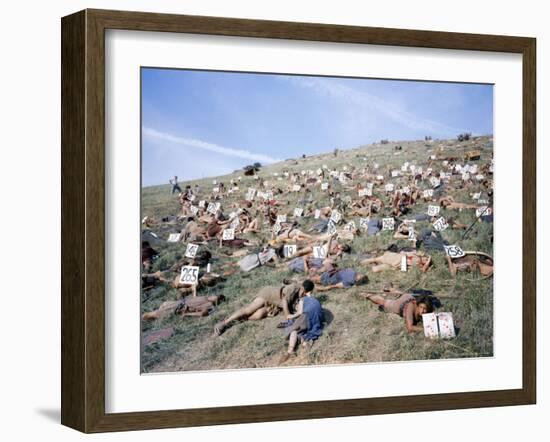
(392, 261)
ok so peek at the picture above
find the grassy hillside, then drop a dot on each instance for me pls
(356, 330)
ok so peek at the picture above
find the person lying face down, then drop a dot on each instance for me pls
(471, 261)
(392, 261)
(268, 302)
(406, 306)
(339, 279)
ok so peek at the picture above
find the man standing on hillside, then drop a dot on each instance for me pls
(175, 185)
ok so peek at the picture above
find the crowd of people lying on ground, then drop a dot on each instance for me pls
(262, 226)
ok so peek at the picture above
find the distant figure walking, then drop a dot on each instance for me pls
(175, 185)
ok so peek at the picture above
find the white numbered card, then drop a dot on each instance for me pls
(362, 192)
(194, 210)
(350, 226)
(331, 227)
(202, 204)
(235, 224)
(174, 237)
(298, 211)
(435, 181)
(335, 216)
(324, 186)
(428, 193)
(394, 173)
(212, 208)
(250, 194)
(389, 187)
(216, 190)
(433, 210)
(483, 211)
(440, 224)
(465, 176)
(364, 223)
(446, 325)
(296, 188)
(412, 234)
(317, 213)
(454, 251)
(476, 196)
(191, 250)
(403, 168)
(403, 263)
(228, 234)
(281, 218)
(290, 250)
(276, 228)
(319, 252)
(388, 224)
(429, 321)
(189, 275)
(268, 195)
(380, 177)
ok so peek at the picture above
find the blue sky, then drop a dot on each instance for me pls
(198, 124)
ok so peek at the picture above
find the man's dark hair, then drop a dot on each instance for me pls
(308, 285)
(346, 248)
(424, 299)
(363, 279)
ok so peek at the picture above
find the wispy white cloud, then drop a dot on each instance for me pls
(193, 143)
(369, 102)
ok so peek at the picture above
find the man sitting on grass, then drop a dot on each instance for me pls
(308, 321)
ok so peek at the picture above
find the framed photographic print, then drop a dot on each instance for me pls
(270, 220)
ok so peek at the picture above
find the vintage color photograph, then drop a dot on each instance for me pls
(293, 220)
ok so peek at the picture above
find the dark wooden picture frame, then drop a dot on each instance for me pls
(83, 220)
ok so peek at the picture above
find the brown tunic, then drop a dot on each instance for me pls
(272, 294)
